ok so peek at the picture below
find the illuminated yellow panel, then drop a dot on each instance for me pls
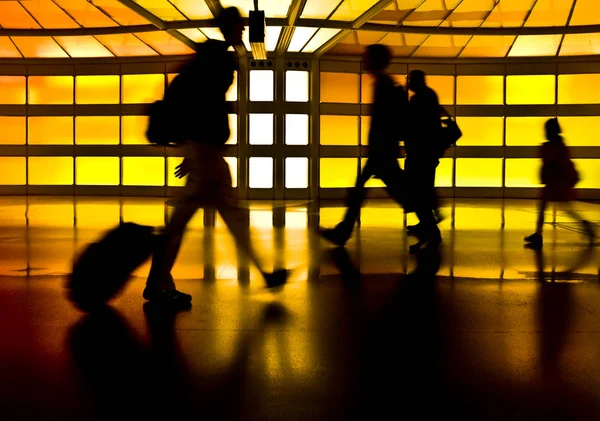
(339, 87)
(133, 130)
(443, 173)
(580, 45)
(351, 9)
(85, 13)
(83, 46)
(525, 131)
(55, 171)
(50, 89)
(126, 45)
(579, 89)
(272, 8)
(97, 89)
(39, 47)
(530, 89)
(143, 171)
(120, 12)
(232, 93)
(12, 89)
(580, 131)
(443, 87)
(232, 162)
(296, 173)
(13, 130)
(366, 88)
(479, 172)
(338, 172)
(271, 37)
(300, 38)
(233, 129)
(7, 48)
(523, 172)
(319, 9)
(13, 171)
(442, 46)
(488, 46)
(365, 125)
(97, 130)
(194, 34)
(164, 43)
(261, 85)
(321, 37)
(296, 86)
(470, 13)
(339, 130)
(142, 89)
(550, 13)
(535, 45)
(480, 90)
(97, 171)
(172, 181)
(589, 172)
(296, 129)
(260, 129)
(481, 131)
(50, 130)
(261, 173)
(193, 9)
(161, 9)
(509, 13)
(585, 13)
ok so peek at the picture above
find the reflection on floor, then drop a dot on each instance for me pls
(500, 332)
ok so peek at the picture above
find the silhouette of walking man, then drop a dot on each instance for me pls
(423, 129)
(198, 95)
(389, 105)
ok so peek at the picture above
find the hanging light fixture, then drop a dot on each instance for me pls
(258, 26)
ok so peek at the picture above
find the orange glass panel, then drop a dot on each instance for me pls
(83, 46)
(50, 130)
(586, 13)
(550, 13)
(535, 45)
(480, 90)
(339, 130)
(55, 171)
(39, 47)
(85, 13)
(13, 15)
(580, 131)
(97, 171)
(488, 46)
(579, 89)
(48, 14)
(339, 87)
(97, 89)
(13, 171)
(143, 171)
(442, 46)
(580, 44)
(12, 89)
(8, 49)
(164, 43)
(162, 9)
(133, 129)
(443, 87)
(13, 130)
(119, 12)
(338, 172)
(97, 130)
(50, 89)
(142, 89)
(126, 45)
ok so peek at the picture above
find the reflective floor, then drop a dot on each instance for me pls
(481, 328)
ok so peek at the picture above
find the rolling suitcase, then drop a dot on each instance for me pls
(103, 269)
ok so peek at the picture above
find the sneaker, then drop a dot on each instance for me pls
(334, 235)
(534, 239)
(277, 278)
(413, 229)
(425, 243)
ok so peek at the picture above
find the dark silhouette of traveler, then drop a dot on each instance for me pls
(423, 129)
(200, 119)
(559, 177)
(389, 104)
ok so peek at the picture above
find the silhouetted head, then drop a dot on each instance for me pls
(552, 128)
(377, 57)
(416, 80)
(231, 25)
